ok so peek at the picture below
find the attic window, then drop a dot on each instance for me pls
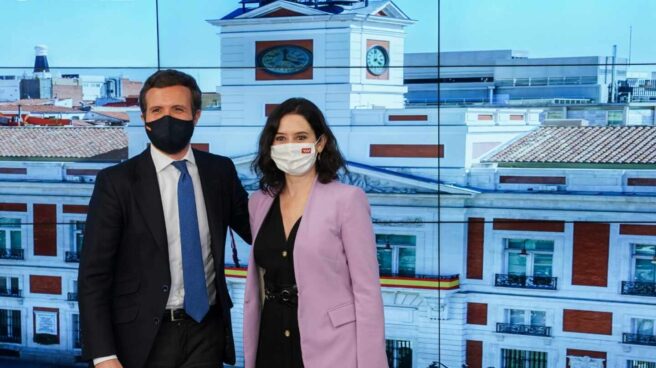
(382, 14)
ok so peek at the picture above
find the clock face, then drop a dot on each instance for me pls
(377, 60)
(284, 59)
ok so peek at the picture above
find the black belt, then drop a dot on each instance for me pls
(284, 295)
(175, 315)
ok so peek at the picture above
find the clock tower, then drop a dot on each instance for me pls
(341, 54)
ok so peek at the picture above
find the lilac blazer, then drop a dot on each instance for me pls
(340, 309)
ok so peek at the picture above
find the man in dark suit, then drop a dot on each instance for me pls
(152, 288)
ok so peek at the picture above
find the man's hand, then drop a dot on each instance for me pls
(112, 363)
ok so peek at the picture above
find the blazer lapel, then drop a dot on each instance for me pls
(261, 213)
(265, 206)
(301, 234)
(148, 198)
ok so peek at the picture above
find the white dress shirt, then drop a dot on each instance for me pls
(167, 177)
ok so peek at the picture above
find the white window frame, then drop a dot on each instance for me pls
(72, 331)
(527, 316)
(72, 240)
(634, 257)
(634, 324)
(638, 359)
(530, 257)
(500, 260)
(9, 322)
(396, 248)
(413, 345)
(8, 230)
(551, 353)
(14, 276)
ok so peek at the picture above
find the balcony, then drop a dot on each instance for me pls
(629, 338)
(12, 293)
(435, 282)
(416, 281)
(523, 329)
(639, 288)
(12, 253)
(73, 257)
(72, 297)
(10, 339)
(526, 282)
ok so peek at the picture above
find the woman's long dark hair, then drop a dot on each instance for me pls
(330, 162)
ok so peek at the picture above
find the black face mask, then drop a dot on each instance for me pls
(169, 134)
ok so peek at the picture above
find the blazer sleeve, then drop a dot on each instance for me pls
(360, 249)
(239, 206)
(96, 272)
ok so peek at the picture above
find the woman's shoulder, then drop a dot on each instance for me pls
(258, 197)
(342, 190)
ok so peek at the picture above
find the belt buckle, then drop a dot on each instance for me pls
(173, 319)
(285, 295)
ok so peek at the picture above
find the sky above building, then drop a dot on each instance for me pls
(551, 28)
(90, 36)
(122, 33)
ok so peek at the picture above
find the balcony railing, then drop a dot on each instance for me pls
(11, 253)
(523, 329)
(10, 339)
(637, 339)
(13, 293)
(73, 257)
(72, 297)
(639, 288)
(526, 282)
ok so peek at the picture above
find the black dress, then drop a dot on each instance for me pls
(279, 343)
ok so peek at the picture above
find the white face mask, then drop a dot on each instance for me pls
(294, 158)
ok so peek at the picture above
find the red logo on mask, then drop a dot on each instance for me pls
(306, 150)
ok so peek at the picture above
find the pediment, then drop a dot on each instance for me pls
(388, 9)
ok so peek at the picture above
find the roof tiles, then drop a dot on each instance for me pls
(66, 143)
(576, 145)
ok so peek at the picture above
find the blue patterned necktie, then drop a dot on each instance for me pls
(196, 301)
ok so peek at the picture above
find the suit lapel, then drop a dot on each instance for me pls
(211, 194)
(148, 198)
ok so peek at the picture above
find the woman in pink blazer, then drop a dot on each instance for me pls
(312, 292)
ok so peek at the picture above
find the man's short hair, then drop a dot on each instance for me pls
(169, 78)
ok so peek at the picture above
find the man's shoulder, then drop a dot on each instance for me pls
(212, 158)
(122, 168)
(207, 155)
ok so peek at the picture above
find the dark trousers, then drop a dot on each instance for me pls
(188, 344)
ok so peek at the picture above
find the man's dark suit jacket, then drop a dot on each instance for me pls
(124, 277)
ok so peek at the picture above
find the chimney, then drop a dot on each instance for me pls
(41, 68)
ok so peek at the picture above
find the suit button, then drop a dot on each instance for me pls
(156, 321)
(284, 254)
(165, 288)
(287, 333)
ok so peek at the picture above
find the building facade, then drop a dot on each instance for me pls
(560, 253)
(44, 193)
(502, 241)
